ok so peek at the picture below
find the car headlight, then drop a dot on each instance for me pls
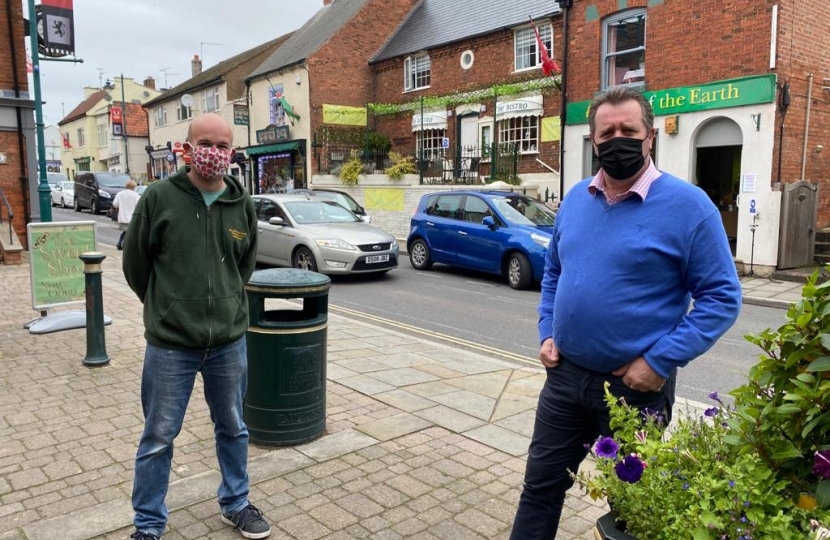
(543, 241)
(394, 243)
(104, 194)
(335, 243)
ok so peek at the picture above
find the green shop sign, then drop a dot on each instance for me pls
(57, 271)
(716, 95)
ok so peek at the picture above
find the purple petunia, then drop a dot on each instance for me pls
(630, 469)
(606, 447)
(715, 396)
(711, 412)
(821, 466)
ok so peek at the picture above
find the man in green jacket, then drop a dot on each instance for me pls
(190, 252)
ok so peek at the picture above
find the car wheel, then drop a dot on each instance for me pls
(63, 203)
(304, 259)
(77, 205)
(519, 272)
(419, 256)
(95, 208)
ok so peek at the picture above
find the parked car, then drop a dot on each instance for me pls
(306, 232)
(54, 180)
(343, 199)
(489, 231)
(64, 194)
(96, 190)
(141, 189)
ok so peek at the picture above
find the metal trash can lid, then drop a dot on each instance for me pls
(282, 279)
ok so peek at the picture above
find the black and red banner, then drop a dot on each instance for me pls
(58, 25)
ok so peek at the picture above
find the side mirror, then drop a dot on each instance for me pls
(278, 221)
(489, 222)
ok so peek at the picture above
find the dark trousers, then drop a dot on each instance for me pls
(121, 239)
(570, 416)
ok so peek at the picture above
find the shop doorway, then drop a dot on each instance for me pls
(718, 152)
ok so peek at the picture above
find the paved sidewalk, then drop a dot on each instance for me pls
(423, 441)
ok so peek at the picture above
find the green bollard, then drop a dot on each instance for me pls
(96, 349)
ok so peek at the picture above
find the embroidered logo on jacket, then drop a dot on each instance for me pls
(237, 235)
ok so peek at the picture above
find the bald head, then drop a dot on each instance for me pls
(209, 124)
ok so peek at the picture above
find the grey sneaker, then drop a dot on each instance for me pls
(249, 521)
(138, 535)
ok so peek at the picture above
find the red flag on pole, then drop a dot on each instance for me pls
(549, 65)
(66, 144)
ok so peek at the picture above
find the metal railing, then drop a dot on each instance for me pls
(467, 165)
(11, 215)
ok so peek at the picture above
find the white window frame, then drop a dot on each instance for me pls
(523, 130)
(210, 98)
(160, 116)
(417, 72)
(433, 140)
(81, 138)
(526, 49)
(103, 136)
(609, 57)
(183, 113)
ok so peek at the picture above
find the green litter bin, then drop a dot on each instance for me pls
(286, 399)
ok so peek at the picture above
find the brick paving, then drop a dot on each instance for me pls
(422, 441)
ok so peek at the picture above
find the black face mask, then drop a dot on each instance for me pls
(621, 157)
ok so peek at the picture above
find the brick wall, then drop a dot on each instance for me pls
(11, 173)
(339, 70)
(493, 66)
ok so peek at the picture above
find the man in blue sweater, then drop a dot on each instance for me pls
(631, 248)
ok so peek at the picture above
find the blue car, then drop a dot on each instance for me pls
(497, 232)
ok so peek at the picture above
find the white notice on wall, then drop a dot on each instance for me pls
(749, 183)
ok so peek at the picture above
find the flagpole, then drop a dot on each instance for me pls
(43, 190)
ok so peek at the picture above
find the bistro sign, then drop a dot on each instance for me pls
(717, 95)
(272, 134)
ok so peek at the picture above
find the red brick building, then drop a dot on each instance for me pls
(18, 173)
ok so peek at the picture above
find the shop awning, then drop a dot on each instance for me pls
(431, 120)
(517, 108)
(272, 148)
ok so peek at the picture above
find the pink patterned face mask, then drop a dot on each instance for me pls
(211, 162)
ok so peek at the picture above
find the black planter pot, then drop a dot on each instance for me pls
(607, 529)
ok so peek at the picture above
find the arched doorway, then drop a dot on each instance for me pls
(718, 147)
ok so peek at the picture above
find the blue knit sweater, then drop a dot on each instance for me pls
(619, 279)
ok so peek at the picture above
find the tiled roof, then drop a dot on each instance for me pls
(84, 107)
(313, 34)
(440, 22)
(137, 123)
(217, 72)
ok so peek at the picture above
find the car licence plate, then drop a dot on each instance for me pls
(377, 259)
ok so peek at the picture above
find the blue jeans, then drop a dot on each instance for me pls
(166, 385)
(570, 416)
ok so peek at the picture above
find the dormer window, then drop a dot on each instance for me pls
(416, 72)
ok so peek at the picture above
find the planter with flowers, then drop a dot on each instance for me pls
(755, 468)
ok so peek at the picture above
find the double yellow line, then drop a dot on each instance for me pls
(436, 335)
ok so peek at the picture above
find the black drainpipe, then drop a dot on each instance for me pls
(563, 90)
(785, 103)
(24, 177)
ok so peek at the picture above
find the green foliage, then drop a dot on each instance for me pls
(783, 411)
(695, 484)
(401, 165)
(378, 143)
(351, 170)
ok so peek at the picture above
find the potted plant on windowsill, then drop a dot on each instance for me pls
(758, 468)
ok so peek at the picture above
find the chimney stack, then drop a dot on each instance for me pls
(327, 2)
(195, 65)
(150, 83)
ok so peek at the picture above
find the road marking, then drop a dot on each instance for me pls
(444, 337)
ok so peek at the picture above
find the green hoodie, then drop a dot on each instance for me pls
(188, 263)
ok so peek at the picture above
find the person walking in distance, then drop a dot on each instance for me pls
(191, 250)
(631, 248)
(124, 204)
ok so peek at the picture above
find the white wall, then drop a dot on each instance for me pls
(295, 94)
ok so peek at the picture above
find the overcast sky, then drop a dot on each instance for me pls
(143, 37)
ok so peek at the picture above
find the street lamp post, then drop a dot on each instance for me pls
(43, 190)
(124, 127)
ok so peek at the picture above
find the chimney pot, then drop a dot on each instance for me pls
(195, 65)
(150, 83)
(327, 2)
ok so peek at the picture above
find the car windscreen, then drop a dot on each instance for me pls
(112, 180)
(67, 186)
(315, 212)
(525, 211)
(55, 178)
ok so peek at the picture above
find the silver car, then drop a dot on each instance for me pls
(63, 194)
(310, 233)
